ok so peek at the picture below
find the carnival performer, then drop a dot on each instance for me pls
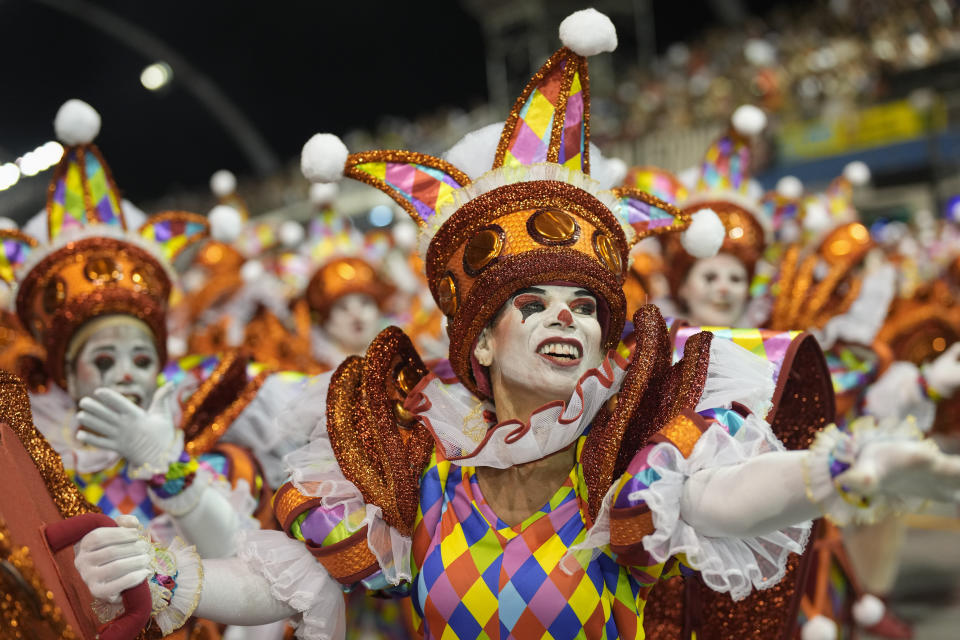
(549, 485)
(95, 297)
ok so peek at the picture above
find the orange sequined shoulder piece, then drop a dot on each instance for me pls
(380, 447)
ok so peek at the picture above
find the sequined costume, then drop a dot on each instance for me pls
(384, 495)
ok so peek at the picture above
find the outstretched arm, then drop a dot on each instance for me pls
(842, 476)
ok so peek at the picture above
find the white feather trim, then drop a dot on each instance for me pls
(93, 231)
(503, 176)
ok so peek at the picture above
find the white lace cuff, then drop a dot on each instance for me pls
(174, 587)
(729, 565)
(835, 450)
(297, 579)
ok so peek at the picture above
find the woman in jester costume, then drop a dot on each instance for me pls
(551, 481)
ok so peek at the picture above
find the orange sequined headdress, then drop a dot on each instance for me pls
(90, 264)
(537, 216)
(343, 261)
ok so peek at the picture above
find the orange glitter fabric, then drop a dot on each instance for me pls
(89, 278)
(381, 455)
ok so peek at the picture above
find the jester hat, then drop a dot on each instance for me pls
(90, 264)
(536, 216)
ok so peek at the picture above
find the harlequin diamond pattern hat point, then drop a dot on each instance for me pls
(535, 216)
(90, 264)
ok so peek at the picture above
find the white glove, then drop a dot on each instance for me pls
(913, 469)
(113, 559)
(147, 439)
(943, 374)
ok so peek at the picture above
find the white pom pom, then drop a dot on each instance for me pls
(474, 153)
(176, 347)
(610, 172)
(291, 234)
(588, 32)
(819, 628)
(76, 122)
(790, 187)
(868, 610)
(405, 234)
(816, 217)
(689, 176)
(223, 183)
(857, 172)
(704, 236)
(749, 120)
(323, 158)
(324, 193)
(226, 223)
(251, 270)
(7, 223)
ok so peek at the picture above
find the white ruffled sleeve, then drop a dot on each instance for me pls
(297, 579)
(657, 475)
(256, 427)
(729, 565)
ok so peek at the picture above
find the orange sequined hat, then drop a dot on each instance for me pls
(348, 263)
(537, 216)
(90, 264)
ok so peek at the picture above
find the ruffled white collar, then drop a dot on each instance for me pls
(466, 434)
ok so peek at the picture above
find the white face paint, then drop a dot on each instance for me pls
(353, 322)
(544, 339)
(715, 291)
(120, 357)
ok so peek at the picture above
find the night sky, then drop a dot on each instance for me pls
(292, 67)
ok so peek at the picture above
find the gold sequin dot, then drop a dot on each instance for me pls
(102, 269)
(447, 298)
(346, 271)
(607, 252)
(54, 294)
(482, 249)
(939, 344)
(407, 378)
(553, 227)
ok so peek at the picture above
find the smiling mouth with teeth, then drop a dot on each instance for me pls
(561, 352)
(132, 397)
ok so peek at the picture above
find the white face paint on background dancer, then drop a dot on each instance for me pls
(715, 291)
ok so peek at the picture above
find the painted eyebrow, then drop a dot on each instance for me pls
(105, 347)
(533, 290)
(584, 292)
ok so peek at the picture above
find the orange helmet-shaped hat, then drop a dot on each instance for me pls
(536, 216)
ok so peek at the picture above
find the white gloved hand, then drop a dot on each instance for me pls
(904, 469)
(943, 374)
(147, 439)
(113, 559)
